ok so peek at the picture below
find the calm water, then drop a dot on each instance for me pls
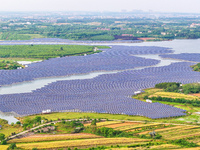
(179, 46)
(10, 118)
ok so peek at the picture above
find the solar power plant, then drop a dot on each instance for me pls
(109, 93)
(184, 56)
(117, 58)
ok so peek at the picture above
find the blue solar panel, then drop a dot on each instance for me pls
(109, 93)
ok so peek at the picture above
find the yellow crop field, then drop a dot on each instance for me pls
(165, 146)
(195, 148)
(162, 129)
(100, 124)
(3, 147)
(122, 124)
(174, 95)
(81, 143)
(125, 128)
(42, 138)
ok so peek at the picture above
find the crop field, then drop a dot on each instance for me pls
(3, 147)
(180, 133)
(196, 94)
(100, 124)
(82, 143)
(137, 126)
(174, 95)
(162, 129)
(132, 126)
(168, 132)
(189, 132)
(121, 124)
(164, 146)
(60, 137)
(155, 147)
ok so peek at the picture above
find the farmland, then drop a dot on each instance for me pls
(59, 137)
(82, 143)
(139, 132)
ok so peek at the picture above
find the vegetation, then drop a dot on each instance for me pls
(29, 123)
(9, 65)
(196, 67)
(183, 143)
(12, 146)
(108, 132)
(175, 87)
(7, 129)
(191, 88)
(81, 143)
(195, 103)
(62, 137)
(168, 86)
(88, 116)
(45, 51)
(132, 27)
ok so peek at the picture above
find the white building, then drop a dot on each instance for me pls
(46, 111)
(137, 92)
(148, 101)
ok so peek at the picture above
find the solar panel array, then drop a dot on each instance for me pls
(117, 58)
(184, 56)
(109, 93)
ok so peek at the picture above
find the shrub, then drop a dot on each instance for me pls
(4, 142)
(12, 146)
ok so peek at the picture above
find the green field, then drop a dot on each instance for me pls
(77, 115)
(46, 51)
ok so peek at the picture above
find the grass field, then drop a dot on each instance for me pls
(81, 143)
(77, 115)
(45, 51)
(10, 129)
(20, 59)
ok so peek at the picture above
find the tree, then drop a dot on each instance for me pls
(94, 122)
(4, 142)
(18, 122)
(37, 119)
(2, 136)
